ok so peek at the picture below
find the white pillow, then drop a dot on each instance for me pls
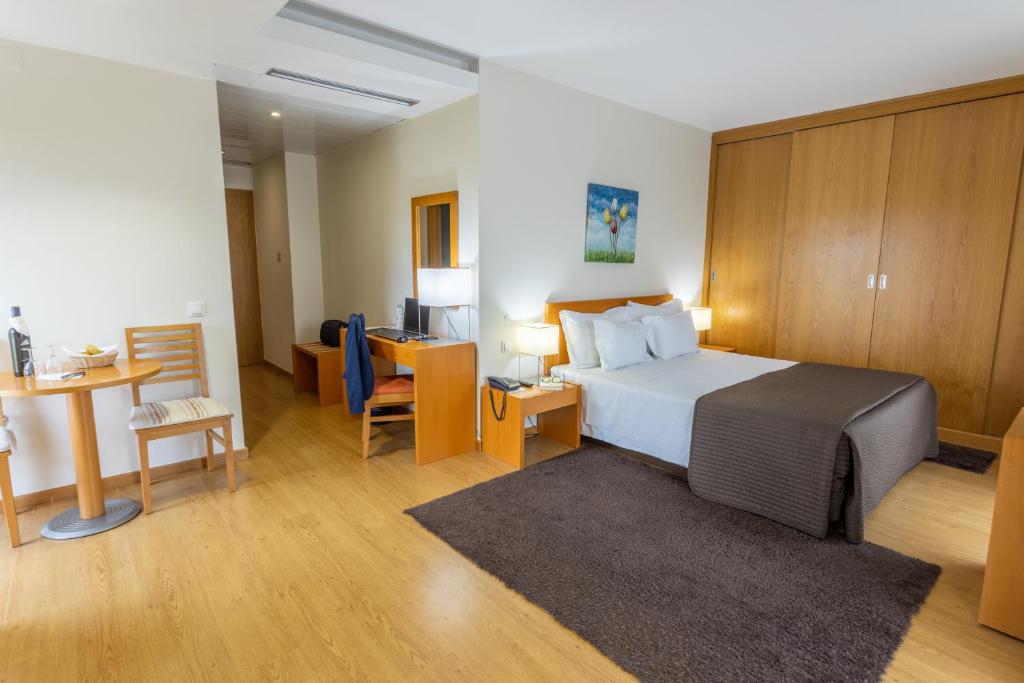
(667, 308)
(620, 344)
(578, 329)
(671, 335)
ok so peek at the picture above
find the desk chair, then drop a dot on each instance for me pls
(180, 349)
(389, 390)
(6, 490)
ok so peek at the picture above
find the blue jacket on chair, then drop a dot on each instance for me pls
(359, 377)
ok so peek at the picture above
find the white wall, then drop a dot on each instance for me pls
(237, 177)
(304, 242)
(540, 144)
(273, 256)
(96, 237)
(366, 225)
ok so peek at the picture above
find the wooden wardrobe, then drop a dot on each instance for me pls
(887, 236)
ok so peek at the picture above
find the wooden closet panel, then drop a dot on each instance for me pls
(952, 190)
(1006, 394)
(834, 213)
(750, 204)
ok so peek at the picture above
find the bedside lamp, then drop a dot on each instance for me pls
(445, 287)
(701, 318)
(537, 339)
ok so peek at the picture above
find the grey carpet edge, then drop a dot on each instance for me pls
(964, 458)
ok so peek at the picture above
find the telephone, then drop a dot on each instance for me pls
(504, 385)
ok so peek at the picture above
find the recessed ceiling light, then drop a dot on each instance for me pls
(276, 114)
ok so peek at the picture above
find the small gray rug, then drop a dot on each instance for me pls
(964, 458)
(672, 587)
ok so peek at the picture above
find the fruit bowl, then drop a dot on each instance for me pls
(83, 361)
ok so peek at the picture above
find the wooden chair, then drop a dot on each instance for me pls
(180, 349)
(6, 490)
(388, 390)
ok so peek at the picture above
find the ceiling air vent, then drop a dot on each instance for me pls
(341, 87)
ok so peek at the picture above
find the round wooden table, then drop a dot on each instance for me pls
(93, 514)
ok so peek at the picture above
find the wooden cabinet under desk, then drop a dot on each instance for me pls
(445, 390)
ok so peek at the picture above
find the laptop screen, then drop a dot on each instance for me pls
(417, 318)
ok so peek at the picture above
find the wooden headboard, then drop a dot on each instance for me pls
(553, 308)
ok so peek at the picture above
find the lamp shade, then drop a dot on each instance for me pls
(537, 339)
(701, 318)
(442, 287)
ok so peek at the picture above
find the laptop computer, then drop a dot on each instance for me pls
(416, 323)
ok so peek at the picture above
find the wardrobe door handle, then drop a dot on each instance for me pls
(871, 280)
(883, 280)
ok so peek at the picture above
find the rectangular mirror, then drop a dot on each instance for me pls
(435, 233)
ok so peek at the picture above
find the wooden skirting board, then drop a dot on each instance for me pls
(276, 368)
(982, 442)
(31, 500)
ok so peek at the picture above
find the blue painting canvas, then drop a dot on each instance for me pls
(611, 224)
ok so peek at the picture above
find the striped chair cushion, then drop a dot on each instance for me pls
(163, 413)
(5, 441)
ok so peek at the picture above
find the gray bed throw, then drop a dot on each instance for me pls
(812, 446)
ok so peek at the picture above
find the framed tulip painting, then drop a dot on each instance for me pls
(611, 224)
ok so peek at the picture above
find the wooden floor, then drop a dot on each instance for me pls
(311, 571)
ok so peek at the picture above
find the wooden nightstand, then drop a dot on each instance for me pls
(712, 347)
(558, 418)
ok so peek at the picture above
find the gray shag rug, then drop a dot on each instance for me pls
(964, 458)
(672, 587)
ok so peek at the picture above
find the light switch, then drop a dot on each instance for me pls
(195, 309)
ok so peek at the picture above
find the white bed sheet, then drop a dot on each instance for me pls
(649, 407)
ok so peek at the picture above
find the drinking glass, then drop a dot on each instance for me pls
(52, 362)
(36, 362)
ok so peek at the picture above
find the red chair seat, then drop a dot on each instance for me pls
(393, 384)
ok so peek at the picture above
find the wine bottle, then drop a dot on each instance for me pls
(21, 344)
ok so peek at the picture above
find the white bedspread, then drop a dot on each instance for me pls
(649, 407)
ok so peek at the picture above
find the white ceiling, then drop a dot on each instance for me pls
(249, 133)
(718, 64)
(715, 64)
(235, 42)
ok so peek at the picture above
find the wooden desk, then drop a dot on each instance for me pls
(445, 392)
(93, 513)
(1002, 593)
(318, 367)
(558, 418)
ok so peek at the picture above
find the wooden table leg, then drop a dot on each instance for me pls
(445, 402)
(303, 371)
(82, 425)
(329, 379)
(7, 491)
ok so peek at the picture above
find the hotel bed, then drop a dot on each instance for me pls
(649, 407)
(812, 446)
